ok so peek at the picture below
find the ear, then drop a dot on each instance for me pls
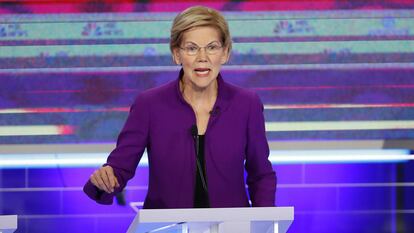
(225, 56)
(176, 56)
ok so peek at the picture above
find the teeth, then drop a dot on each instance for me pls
(202, 72)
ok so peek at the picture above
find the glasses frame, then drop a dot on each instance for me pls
(185, 49)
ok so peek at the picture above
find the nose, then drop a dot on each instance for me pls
(202, 55)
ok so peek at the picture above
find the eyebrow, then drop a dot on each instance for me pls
(190, 42)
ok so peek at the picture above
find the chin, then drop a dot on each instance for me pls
(203, 84)
(203, 80)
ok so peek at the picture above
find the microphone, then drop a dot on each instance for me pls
(194, 133)
(120, 198)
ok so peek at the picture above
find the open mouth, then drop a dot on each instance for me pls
(202, 71)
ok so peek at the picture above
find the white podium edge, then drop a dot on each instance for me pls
(8, 223)
(149, 219)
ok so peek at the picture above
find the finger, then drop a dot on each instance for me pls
(98, 181)
(114, 180)
(101, 183)
(93, 181)
(101, 176)
(106, 181)
(111, 177)
(117, 183)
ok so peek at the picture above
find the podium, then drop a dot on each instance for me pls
(213, 220)
(8, 223)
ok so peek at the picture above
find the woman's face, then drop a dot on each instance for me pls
(201, 56)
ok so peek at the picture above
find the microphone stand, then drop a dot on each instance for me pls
(194, 132)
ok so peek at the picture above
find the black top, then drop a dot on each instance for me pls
(200, 193)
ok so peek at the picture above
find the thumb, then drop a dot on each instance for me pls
(116, 182)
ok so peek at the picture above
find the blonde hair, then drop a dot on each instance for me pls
(199, 16)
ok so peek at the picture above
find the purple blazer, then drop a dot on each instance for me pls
(161, 120)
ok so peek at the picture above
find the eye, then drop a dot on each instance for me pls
(213, 47)
(191, 48)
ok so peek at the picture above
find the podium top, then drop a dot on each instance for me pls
(216, 214)
(8, 223)
(151, 220)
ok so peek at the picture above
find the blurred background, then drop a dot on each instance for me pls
(336, 78)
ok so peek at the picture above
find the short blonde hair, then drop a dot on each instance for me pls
(199, 16)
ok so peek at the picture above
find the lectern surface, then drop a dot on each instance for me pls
(211, 220)
(8, 223)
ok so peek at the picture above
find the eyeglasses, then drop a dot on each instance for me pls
(211, 49)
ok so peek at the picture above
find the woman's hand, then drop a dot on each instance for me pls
(104, 179)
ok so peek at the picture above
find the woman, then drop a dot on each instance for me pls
(200, 132)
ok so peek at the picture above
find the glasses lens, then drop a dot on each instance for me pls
(213, 48)
(192, 50)
(209, 49)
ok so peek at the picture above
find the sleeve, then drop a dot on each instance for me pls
(261, 179)
(125, 157)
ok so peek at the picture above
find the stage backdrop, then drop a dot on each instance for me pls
(335, 78)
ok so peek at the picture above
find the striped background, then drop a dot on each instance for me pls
(334, 76)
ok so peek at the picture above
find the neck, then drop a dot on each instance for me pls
(198, 97)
